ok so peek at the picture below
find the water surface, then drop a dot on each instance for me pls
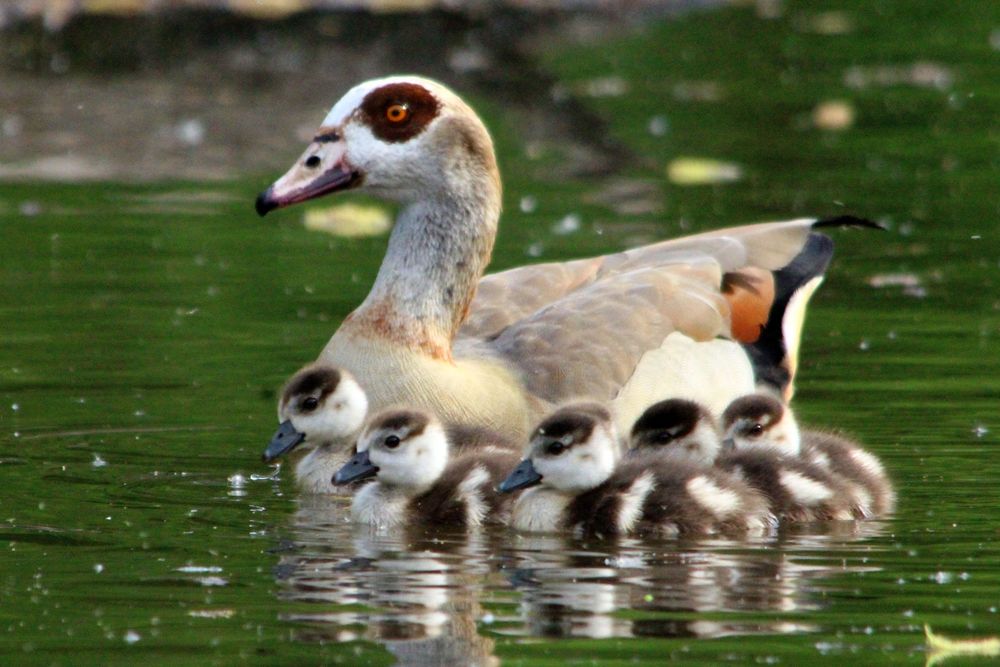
(146, 329)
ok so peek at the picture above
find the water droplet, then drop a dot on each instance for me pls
(567, 225)
(98, 567)
(528, 204)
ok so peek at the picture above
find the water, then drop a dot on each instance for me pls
(146, 328)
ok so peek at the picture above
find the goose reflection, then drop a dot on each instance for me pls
(416, 593)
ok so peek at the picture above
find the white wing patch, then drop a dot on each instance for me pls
(867, 462)
(717, 500)
(633, 501)
(471, 491)
(805, 491)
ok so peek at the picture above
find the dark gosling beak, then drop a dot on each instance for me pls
(524, 475)
(359, 467)
(284, 440)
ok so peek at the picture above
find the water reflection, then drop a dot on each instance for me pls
(424, 596)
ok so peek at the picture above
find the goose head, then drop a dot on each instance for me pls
(403, 138)
(677, 425)
(573, 450)
(405, 449)
(761, 421)
(319, 404)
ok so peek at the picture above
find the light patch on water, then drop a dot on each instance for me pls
(567, 225)
(198, 569)
(942, 577)
(131, 637)
(98, 568)
(98, 462)
(211, 613)
(212, 581)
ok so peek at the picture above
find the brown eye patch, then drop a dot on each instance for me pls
(397, 112)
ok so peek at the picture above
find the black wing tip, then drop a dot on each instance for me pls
(847, 221)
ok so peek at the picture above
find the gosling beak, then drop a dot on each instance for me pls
(728, 445)
(284, 440)
(359, 467)
(524, 475)
(322, 169)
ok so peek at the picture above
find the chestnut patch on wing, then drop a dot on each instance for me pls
(422, 108)
(750, 293)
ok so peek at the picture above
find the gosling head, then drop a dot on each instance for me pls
(400, 137)
(677, 425)
(404, 449)
(573, 450)
(761, 420)
(319, 404)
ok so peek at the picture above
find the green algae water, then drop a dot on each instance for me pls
(145, 330)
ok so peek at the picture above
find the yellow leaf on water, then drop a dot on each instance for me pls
(350, 220)
(984, 646)
(702, 171)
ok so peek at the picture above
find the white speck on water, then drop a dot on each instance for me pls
(15, 407)
(864, 345)
(12, 126)
(535, 249)
(98, 568)
(98, 462)
(488, 618)
(528, 204)
(980, 431)
(623, 561)
(198, 569)
(995, 39)
(212, 613)
(908, 613)
(131, 637)
(41, 505)
(190, 132)
(942, 577)
(30, 208)
(658, 126)
(237, 481)
(212, 581)
(567, 225)
(139, 413)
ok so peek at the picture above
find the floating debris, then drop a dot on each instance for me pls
(910, 282)
(131, 637)
(941, 647)
(198, 569)
(606, 86)
(98, 462)
(833, 115)
(348, 220)
(702, 171)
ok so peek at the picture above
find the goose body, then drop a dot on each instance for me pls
(418, 481)
(575, 481)
(762, 422)
(796, 489)
(501, 351)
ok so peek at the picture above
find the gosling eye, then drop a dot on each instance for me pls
(312, 161)
(756, 430)
(309, 404)
(555, 448)
(391, 441)
(663, 437)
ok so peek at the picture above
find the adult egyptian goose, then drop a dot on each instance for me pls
(501, 351)
(417, 478)
(575, 480)
(761, 421)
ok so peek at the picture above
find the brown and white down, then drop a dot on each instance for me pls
(761, 421)
(501, 351)
(322, 409)
(797, 489)
(416, 480)
(575, 479)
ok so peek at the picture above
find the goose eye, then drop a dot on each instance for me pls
(312, 161)
(310, 404)
(555, 448)
(663, 437)
(397, 113)
(391, 441)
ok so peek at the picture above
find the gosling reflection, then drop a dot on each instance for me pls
(571, 588)
(415, 592)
